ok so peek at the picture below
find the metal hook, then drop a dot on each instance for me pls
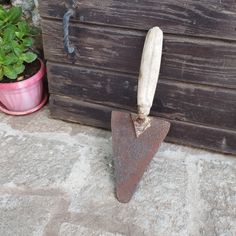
(66, 22)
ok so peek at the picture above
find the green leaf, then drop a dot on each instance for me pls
(9, 34)
(19, 35)
(18, 50)
(2, 24)
(9, 72)
(23, 27)
(1, 73)
(23, 30)
(10, 59)
(2, 55)
(28, 57)
(28, 42)
(7, 48)
(3, 13)
(19, 68)
(13, 15)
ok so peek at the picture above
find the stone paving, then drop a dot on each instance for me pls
(56, 178)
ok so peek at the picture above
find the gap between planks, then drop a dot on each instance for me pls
(109, 107)
(135, 76)
(140, 32)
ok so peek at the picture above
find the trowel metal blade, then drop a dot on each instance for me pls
(132, 155)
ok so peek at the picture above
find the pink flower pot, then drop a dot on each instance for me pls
(23, 95)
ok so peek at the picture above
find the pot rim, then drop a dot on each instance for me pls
(28, 82)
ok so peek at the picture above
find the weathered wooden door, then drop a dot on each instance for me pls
(197, 88)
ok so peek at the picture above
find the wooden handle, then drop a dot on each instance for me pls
(149, 71)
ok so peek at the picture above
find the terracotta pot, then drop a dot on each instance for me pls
(23, 95)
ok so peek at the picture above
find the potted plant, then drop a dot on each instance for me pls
(21, 71)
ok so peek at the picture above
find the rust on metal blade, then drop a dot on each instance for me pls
(132, 155)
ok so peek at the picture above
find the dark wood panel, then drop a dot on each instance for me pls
(73, 110)
(208, 18)
(184, 59)
(205, 137)
(207, 105)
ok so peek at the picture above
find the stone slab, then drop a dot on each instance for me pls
(25, 215)
(59, 178)
(75, 230)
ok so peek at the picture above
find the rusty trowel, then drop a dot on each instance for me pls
(137, 137)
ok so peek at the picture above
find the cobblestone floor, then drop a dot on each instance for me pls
(56, 178)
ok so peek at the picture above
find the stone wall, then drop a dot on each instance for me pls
(30, 9)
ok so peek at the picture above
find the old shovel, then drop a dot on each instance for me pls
(137, 137)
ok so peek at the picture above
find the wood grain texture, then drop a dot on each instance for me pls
(74, 110)
(193, 103)
(68, 109)
(184, 59)
(208, 18)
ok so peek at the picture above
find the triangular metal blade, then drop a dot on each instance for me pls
(132, 155)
